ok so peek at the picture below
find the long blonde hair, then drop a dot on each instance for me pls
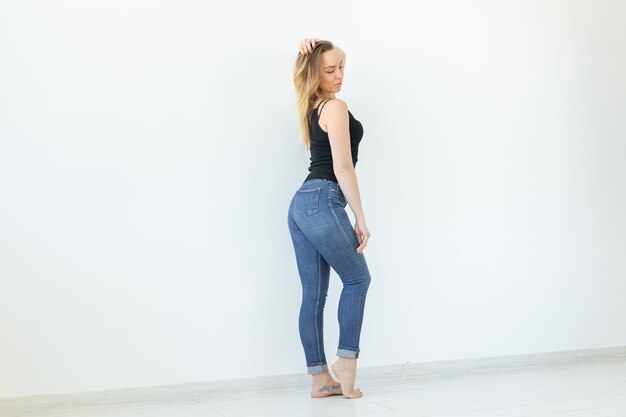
(306, 73)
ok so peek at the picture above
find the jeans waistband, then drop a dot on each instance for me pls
(316, 182)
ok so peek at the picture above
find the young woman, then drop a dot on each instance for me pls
(320, 229)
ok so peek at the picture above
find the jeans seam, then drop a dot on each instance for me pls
(317, 301)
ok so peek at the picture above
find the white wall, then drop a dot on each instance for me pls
(149, 150)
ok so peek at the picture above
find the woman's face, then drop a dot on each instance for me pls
(331, 75)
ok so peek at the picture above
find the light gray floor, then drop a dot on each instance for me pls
(581, 390)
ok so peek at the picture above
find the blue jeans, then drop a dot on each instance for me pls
(323, 237)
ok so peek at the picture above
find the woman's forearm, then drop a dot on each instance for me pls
(350, 188)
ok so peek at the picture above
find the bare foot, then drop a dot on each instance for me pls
(345, 371)
(324, 386)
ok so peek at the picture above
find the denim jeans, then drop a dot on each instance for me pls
(323, 237)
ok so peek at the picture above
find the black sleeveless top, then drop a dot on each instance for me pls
(321, 155)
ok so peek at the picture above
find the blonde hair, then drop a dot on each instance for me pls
(306, 73)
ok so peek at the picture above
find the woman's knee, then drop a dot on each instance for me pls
(368, 278)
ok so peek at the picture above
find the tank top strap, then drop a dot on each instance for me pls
(322, 108)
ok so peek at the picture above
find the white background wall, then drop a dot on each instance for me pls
(149, 151)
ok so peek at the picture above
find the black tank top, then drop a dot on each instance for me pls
(321, 155)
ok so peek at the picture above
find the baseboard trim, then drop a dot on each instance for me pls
(204, 391)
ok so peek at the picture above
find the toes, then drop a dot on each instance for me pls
(356, 394)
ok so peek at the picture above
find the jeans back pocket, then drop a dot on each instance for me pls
(307, 201)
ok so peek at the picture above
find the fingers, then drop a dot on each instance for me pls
(362, 235)
(363, 243)
(307, 45)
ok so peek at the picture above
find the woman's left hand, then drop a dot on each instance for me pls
(362, 233)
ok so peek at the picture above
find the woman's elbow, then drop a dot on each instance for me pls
(343, 169)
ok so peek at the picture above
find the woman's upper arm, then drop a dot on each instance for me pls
(338, 126)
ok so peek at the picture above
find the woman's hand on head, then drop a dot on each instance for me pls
(306, 45)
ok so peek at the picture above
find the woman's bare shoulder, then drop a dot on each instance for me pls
(336, 105)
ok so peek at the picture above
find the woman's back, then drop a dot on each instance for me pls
(321, 165)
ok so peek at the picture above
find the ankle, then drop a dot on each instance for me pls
(322, 376)
(346, 361)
